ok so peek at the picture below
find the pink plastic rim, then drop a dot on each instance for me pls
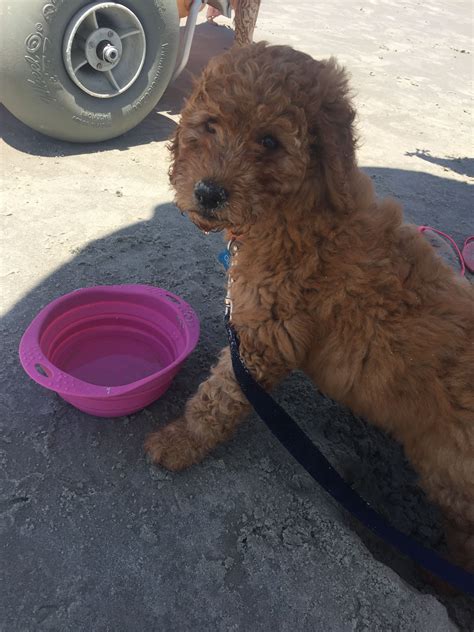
(110, 350)
(468, 253)
(454, 245)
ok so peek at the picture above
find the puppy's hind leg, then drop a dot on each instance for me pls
(448, 479)
(460, 539)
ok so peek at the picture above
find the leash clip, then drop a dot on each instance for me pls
(231, 250)
(228, 307)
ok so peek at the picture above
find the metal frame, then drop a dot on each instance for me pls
(185, 48)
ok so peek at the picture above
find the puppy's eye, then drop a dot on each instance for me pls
(208, 126)
(269, 142)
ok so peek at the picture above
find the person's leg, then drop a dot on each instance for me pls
(246, 12)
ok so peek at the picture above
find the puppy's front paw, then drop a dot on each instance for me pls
(174, 447)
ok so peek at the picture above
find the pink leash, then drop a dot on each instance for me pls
(422, 229)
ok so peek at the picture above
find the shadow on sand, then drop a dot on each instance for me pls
(464, 166)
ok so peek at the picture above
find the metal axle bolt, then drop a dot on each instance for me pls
(109, 53)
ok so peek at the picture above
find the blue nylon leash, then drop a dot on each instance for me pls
(300, 446)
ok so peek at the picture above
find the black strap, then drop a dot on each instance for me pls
(300, 446)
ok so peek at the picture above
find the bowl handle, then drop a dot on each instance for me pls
(41, 370)
(38, 367)
(187, 313)
(44, 369)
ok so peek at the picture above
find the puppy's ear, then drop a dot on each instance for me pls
(333, 140)
(173, 147)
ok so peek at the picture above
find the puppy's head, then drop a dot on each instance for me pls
(266, 130)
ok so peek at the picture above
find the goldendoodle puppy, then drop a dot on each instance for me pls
(325, 276)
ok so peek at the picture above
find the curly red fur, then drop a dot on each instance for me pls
(327, 279)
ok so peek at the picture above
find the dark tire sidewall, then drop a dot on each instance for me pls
(39, 91)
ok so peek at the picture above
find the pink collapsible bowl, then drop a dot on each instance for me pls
(110, 350)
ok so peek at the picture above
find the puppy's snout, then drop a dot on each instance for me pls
(210, 195)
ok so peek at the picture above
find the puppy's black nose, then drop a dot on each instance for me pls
(210, 196)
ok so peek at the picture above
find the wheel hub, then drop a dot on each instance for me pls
(104, 49)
